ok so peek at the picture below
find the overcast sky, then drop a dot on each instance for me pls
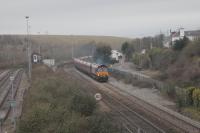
(128, 18)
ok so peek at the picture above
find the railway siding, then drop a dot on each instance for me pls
(3, 77)
(6, 94)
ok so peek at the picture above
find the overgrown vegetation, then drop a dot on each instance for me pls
(56, 104)
(155, 58)
(189, 96)
(188, 101)
(179, 66)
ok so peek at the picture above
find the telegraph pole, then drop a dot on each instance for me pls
(13, 102)
(28, 48)
(72, 51)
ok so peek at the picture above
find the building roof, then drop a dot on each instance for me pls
(192, 33)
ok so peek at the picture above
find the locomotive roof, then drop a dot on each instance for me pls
(88, 63)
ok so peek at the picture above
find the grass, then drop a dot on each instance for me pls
(55, 103)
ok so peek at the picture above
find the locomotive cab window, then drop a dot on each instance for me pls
(102, 69)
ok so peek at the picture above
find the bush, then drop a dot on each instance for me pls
(100, 124)
(161, 58)
(35, 122)
(196, 97)
(83, 104)
(189, 93)
(142, 60)
(188, 97)
(180, 44)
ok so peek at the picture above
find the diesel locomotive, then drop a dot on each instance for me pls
(97, 71)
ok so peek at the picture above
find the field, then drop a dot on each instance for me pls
(13, 47)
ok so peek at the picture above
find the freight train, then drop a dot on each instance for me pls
(96, 71)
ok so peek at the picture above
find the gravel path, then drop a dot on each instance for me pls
(148, 94)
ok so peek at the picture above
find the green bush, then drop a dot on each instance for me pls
(189, 93)
(180, 44)
(100, 124)
(83, 104)
(141, 60)
(196, 97)
(35, 122)
(187, 97)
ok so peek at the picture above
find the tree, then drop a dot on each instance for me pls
(180, 44)
(127, 50)
(102, 54)
(124, 47)
(158, 40)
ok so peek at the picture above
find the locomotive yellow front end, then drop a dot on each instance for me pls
(102, 73)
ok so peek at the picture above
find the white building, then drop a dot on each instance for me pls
(49, 62)
(36, 58)
(143, 51)
(193, 35)
(115, 55)
(179, 34)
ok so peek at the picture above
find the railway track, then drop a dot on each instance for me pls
(164, 118)
(7, 92)
(132, 121)
(174, 119)
(4, 76)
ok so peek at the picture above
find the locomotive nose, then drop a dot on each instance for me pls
(102, 74)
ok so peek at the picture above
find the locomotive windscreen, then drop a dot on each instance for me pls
(102, 68)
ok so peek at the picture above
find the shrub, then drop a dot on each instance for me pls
(100, 123)
(161, 58)
(83, 104)
(189, 93)
(34, 122)
(196, 97)
(180, 44)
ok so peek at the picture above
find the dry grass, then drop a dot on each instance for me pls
(13, 47)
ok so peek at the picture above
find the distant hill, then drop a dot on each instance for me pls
(73, 39)
(13, 47)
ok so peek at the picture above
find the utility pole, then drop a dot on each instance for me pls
(13, 102)
(72, 51)
(39, 49)
(28, 48)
